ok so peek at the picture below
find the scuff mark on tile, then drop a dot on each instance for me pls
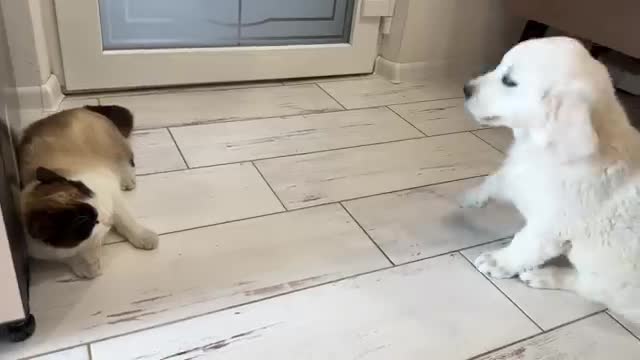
(129, 312)
(265, 290)
(136, 317)
(437, 109)
(151, 299)
(310, 198)
(511, 355)
(290, 285)
(219, 344)
(69, 280)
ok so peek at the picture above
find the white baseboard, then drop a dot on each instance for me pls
(407, 72)
(46, 97)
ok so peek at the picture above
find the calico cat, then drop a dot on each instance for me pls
(74, 166)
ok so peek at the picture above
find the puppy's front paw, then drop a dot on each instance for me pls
(86, 268)
(146, 240)
(492, 263)
(473, 199)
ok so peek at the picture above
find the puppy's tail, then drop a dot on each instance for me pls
(121, 117)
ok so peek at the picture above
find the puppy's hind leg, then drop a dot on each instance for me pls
(125, 224)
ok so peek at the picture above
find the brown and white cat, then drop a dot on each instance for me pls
(74, 166)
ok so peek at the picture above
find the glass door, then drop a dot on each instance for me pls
(133, 43)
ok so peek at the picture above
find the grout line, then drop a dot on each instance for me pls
(310, 112)
(177, 90)
(623, 326)
(287, 156)
(269, 186)
(485, 141)
(329, 95)
(407, 121)
(87, 346)
(367, 234)
(319, 205)
(308, 153)
(184, 159)
(237, 120)
(406, 103)
(238, 305)
(220, 223)
(502, 292)
(187, 88)
(475, 357)
(455, 251)
(222, 309)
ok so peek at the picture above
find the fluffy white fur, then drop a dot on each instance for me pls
(572, 172)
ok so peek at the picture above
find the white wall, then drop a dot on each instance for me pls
(34, 49)
(26, 42)
(449, 35)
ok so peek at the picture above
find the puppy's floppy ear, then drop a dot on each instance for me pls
(568, 130)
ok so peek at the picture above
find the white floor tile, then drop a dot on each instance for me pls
(255, 139)
(437, 117)
(500, 138)
(183, 89)
(418, 311)
(312, 179)
(155, 151)
(595, 338)
(423, 222)
(196, 272)
(634, 328)
(548, 308)
(182, 108)
(377, 92)
(78, 353)
(186, 199)
(71, 102)
(314, 80)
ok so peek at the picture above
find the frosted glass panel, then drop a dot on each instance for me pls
(157, 24)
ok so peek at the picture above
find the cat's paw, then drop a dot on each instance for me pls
(145, 239)
(86, 268)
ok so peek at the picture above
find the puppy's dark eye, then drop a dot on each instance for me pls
(508, 81)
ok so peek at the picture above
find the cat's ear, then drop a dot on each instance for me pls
(47, 176)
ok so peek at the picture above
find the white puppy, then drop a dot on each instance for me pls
(572, 172)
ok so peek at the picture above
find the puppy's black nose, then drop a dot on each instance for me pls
(468, 90)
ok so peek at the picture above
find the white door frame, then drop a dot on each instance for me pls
(87, 66)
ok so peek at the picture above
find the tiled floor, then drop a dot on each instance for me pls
(311, 219)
